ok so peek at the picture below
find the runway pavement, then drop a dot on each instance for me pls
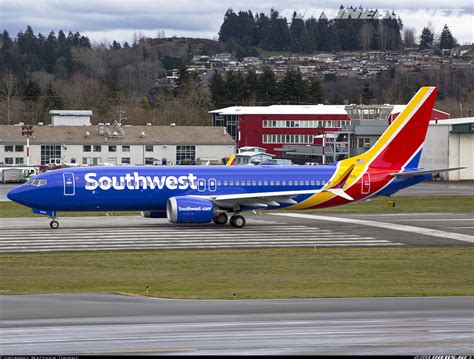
(115, 324)
(26, 235)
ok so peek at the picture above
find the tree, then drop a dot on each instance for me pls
(409, 37)
(292, 88)
(426, 39)
(31, 91)
(216, 88)
(266, 86)
(367, 92)
(300, 40)
(446, 40)
(316, 93)
(52, 99)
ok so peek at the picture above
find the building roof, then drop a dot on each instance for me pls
(70, 113)
(190, 135)
(453, 121)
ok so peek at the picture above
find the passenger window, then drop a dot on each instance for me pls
(231, 183)
(259, 183)
(254, 183)
(318, 183)
(248, 183)
(290, 183)
(284, 183)
(301, 183)
(322, 182)
(312, 183)
(236, 183)
(219, 183)
(306, 183)
(272, 183)
(277, 183)
(265, 183)
(225, 183)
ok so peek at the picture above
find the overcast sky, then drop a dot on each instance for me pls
(108, 20)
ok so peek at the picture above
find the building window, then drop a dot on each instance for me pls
(86, 148)
(9, 148)
(112, 148)
(112, 160)
(126, 160)
(19, 160)
(125, 148)
(8, 160)
(185, 154)
(49, 152)
(149, 160)
(98, 148)
(85, 160)
(149, 148)
(19, 148)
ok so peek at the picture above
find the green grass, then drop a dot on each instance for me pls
(256, 273)
(405, 204)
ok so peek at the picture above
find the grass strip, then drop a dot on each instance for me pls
(250, 274)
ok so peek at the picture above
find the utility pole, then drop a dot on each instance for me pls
(27, 131)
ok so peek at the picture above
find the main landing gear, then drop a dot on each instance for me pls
(236, 221)
(221, 219)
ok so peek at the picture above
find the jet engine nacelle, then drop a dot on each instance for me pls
(154, 214)
(189, 210)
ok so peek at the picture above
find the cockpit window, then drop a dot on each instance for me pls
(37, 183)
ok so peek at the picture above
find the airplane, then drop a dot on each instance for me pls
(204, 194)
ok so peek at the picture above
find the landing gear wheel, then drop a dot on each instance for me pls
(237, 221)
(220, 219)
(54, 224)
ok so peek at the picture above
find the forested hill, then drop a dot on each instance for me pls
(352, 30)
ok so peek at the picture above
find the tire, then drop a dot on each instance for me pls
(237, 221)
(54, 224)
(221, 219)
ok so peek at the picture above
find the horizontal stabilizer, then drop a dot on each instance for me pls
(340, 192)
(423, 172)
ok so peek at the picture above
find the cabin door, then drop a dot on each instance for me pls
(365, 183)
(69, 185)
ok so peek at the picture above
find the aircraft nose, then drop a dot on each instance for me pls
(17, 195)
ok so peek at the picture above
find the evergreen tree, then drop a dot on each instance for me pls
(31, 91)
(267, 86)
(300, 41)
(216, 88)
(251, 85)
(7, 42)
(426, 39)
(234, 88)
(116, 45)
(292, 88)
(52, 100)
(367, 92)
(316, 93)
(446, 40)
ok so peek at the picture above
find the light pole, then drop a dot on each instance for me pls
(27, 131)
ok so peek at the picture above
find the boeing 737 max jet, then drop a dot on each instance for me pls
(202, 194)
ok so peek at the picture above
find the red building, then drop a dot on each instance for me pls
(271, 127)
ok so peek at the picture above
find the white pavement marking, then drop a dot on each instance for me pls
(177, 237)
(393, 226)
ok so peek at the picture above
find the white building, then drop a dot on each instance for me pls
(136, 145)
(70, 118)
(450, 143)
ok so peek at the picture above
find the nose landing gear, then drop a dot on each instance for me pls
(54, 224)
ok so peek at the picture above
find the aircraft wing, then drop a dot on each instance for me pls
(265, 199)
(423, 172)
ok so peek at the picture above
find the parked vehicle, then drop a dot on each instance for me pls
(11, 175)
